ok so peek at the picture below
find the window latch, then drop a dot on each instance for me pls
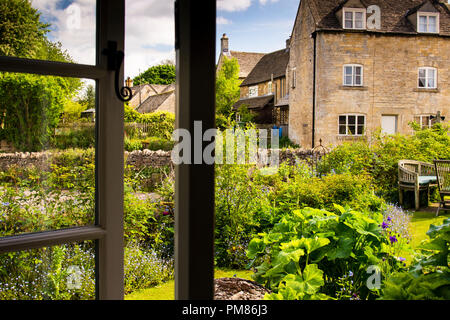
(115, 61)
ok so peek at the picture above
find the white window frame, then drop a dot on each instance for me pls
(238, 117)
(428, 15)
(353, 66)
(435, 79)
(421, 116)
(356, 115)
(270, 87)
(253, 91)
(353, 11)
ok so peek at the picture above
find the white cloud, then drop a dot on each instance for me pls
(233, 5)
(149, 29)
(222, 20)
(263, 2)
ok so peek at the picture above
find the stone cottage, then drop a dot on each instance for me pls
(362, 65)
(153, 97)
(264, 90)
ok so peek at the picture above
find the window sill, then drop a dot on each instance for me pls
(360, 88)
(430, 90)
(350, 138)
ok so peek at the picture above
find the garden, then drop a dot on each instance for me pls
(328, 229)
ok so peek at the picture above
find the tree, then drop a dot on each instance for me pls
(30, 108)
(30, 105)
(227, 87)
(160, 74)
(88, 99)
(21, 31)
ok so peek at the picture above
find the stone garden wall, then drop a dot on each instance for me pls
(138, 159)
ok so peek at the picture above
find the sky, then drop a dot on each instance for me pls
(251, 25)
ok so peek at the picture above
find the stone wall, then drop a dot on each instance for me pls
(390, 79)
(138, 159)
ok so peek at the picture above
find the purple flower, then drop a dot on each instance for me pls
(166, 213)
(389, 219)
(384, 225)
(401, 259)
(393, 239)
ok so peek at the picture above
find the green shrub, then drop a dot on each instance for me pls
(133, 144)
(428, 278)
(83, 138)
(317, 254)
(161, 123)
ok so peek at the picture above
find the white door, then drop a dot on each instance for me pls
(389, 124)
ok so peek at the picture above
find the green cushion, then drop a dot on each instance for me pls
(427, 179)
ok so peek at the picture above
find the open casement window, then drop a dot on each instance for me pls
(353, 75)
(102, 233)
(252, 91)
(354, 18)
(425, 121)
(427, 78)
(194, 206)
(352, 124)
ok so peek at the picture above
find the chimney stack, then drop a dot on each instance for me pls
(224, 45)
(129, 82)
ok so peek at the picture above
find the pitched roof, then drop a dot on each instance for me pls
(246, 60)
(274, 63)
(153, 102)
(393, 14)
(255, 103)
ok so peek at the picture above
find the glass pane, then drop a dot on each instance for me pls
(421, 82)
(358, 80)
(432, 24)
(342, 120)
(342, 129)
(65, 272)
(49, 30)
(361, 120)
(47, 168)
(351, 119)
(360, 130)
(425, 121)
(358, 20)
(431, 78)
(351, 130)
(422, 24)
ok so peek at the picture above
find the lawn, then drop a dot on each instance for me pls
(166, 290)
(420, 223)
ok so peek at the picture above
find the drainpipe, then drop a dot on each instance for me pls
(314, 36)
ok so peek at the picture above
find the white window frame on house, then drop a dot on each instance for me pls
(353, 74)
(238, 117)
(253, 91)
(427, 78)
(353, 11)
(421, 117)
(269, 87)
(357, 124)
(427, 15)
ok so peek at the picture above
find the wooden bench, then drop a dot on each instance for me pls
(415, 176)
(442, 168)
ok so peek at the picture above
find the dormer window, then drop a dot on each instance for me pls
(354, 18)
(253, 91)
(428, 22)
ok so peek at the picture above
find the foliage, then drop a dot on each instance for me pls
(379, 159)
(72, 111)
(88, 98)
(429, 277)
(245, 113)
(160, 74)
(161, 123)
(150, 143)
(21, 31)
(227, 87)
(310, 253)
(143, 268)
(30, 109)
(74, 137)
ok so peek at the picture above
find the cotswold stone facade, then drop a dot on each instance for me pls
(400, 73)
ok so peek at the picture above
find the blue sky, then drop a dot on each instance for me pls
(259, 28)
(251, 25)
